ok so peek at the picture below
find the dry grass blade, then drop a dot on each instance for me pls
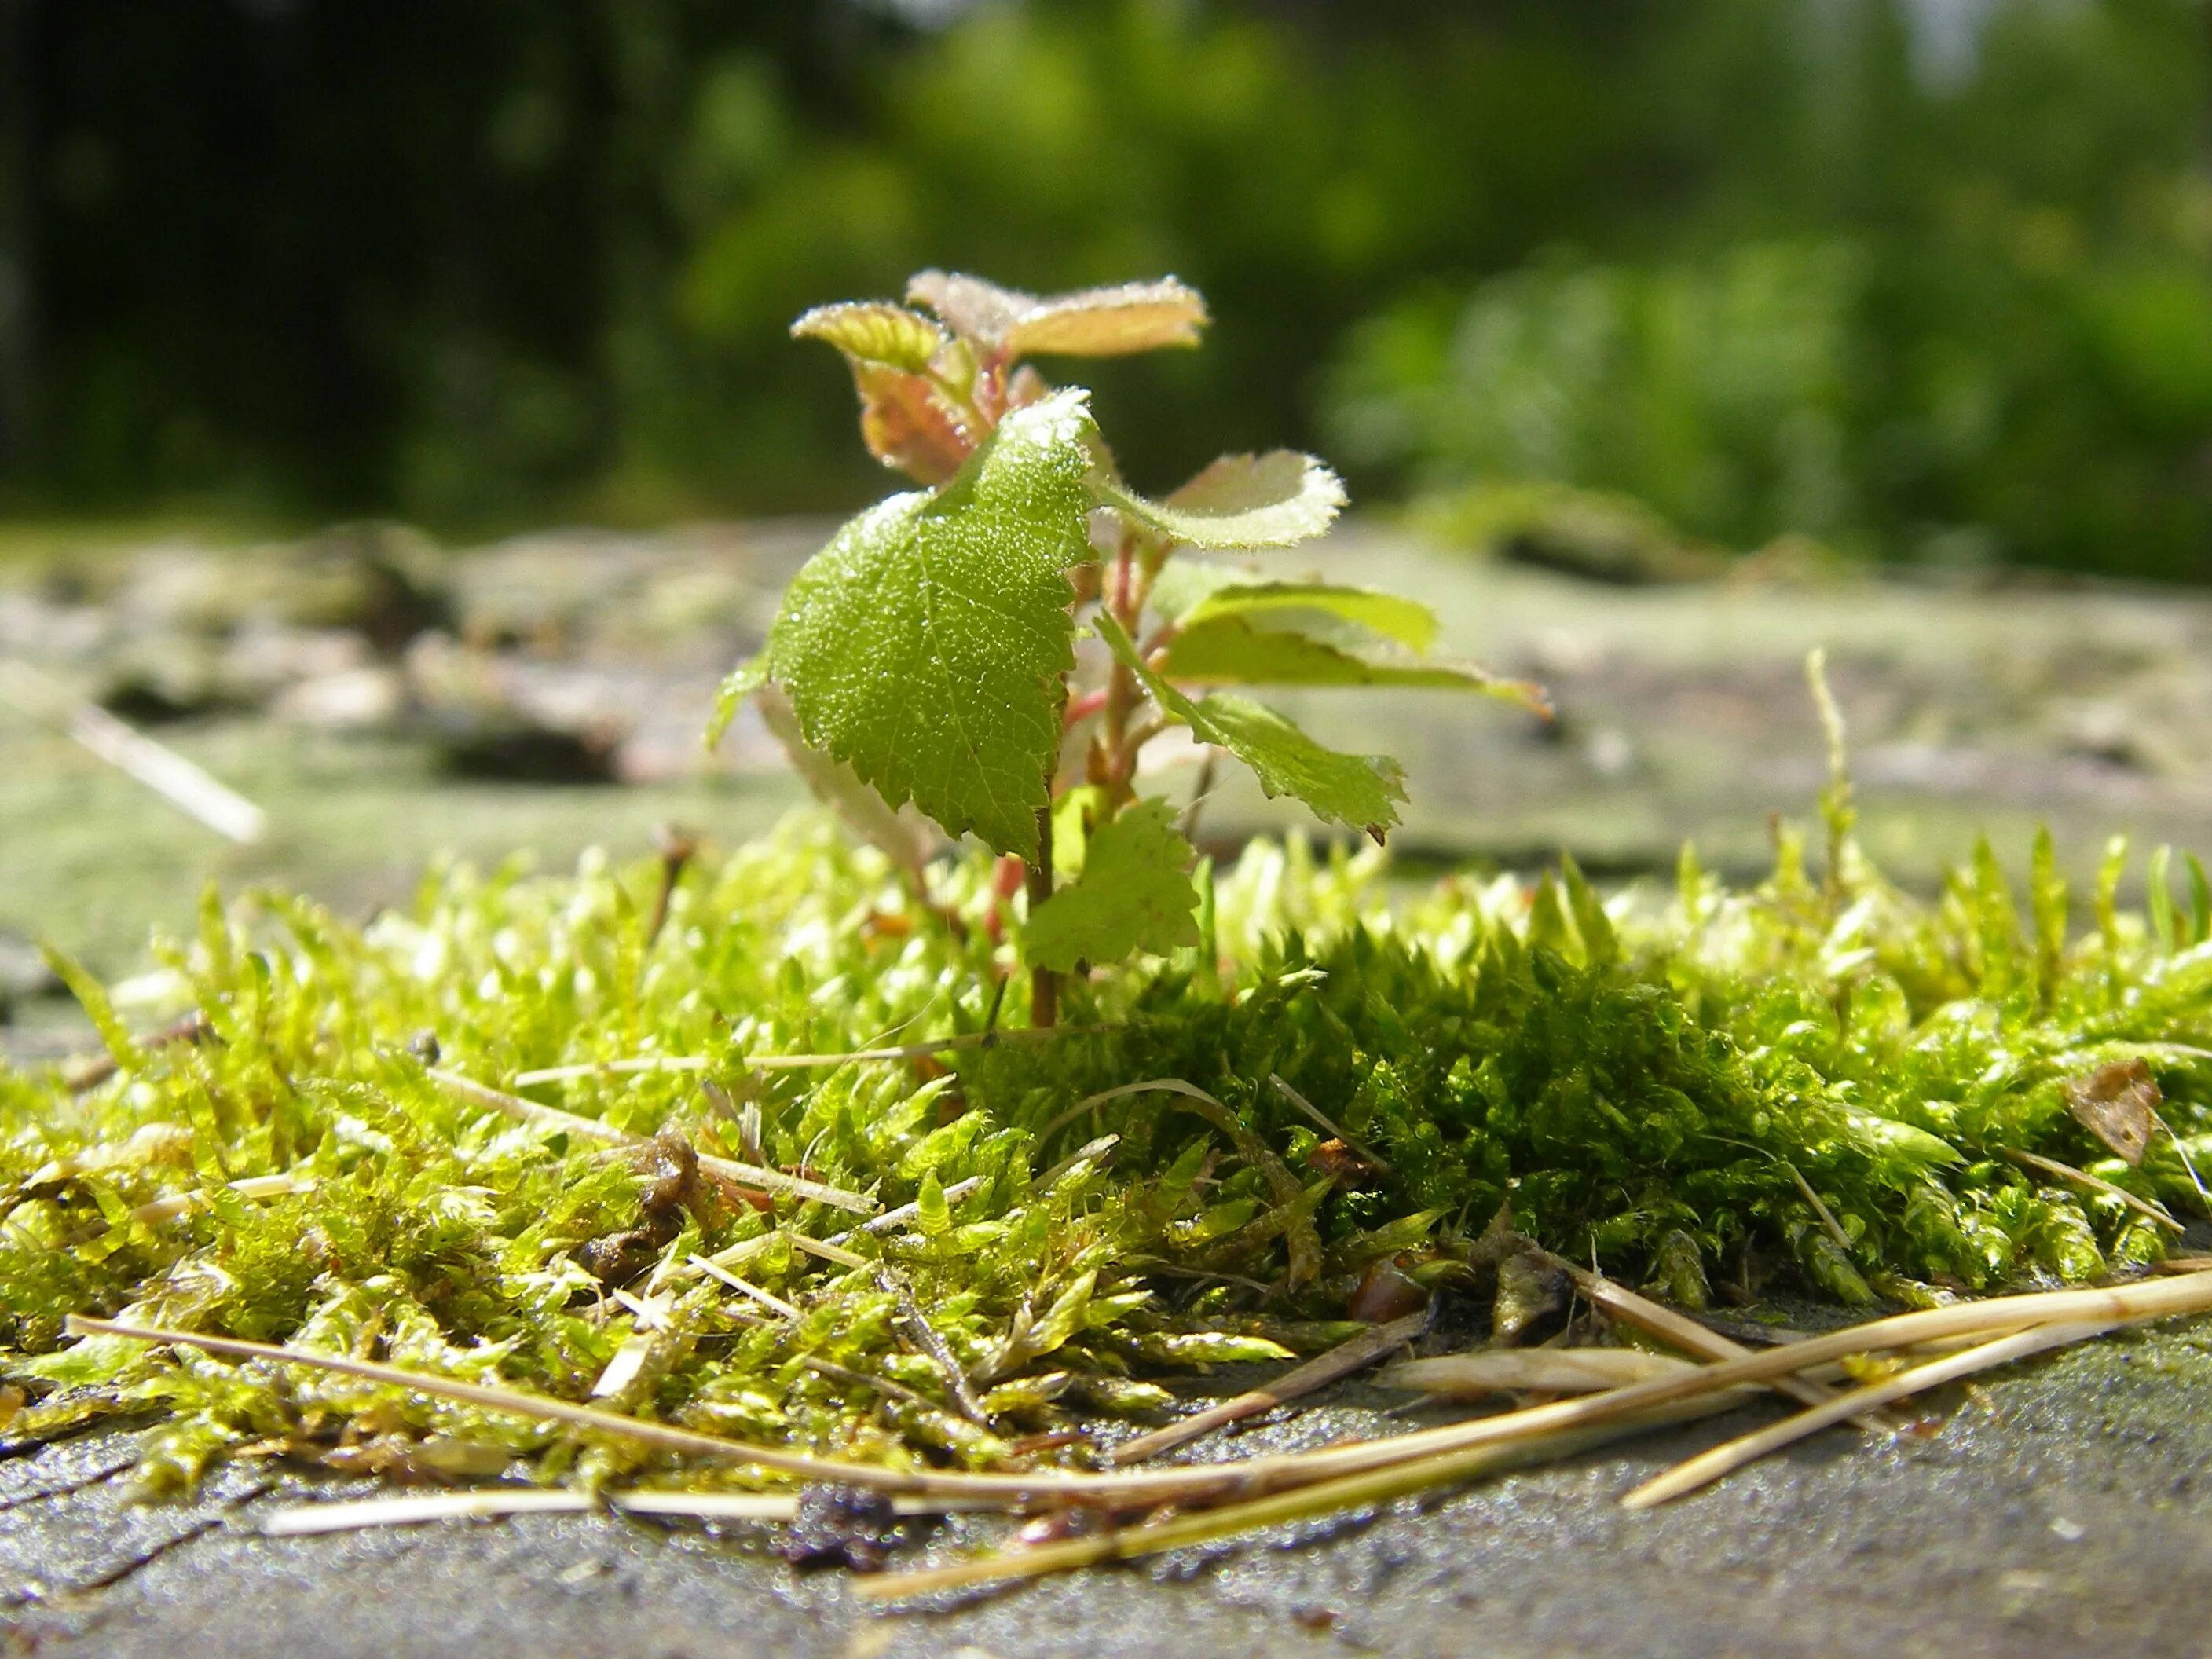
(1707, 1466)
(305, 1520)
(2157, 1212)
(160, 769)
(1318, 1372)
(271, 1186)
(1531, 1371)
(1275, 1509)
(1158, 1085)
(643, 1064)
(1687, 1334)
(1427, 1456)
(552, 1117)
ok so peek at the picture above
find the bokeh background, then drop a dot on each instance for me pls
(1922, 279)
(398, 417)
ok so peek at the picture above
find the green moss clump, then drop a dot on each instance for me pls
(1818, 1082)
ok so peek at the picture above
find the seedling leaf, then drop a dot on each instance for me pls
(1242, 500)
(1135, 894)
(907, 425)
(1230, 650)
(903, 834)
(1097, 322)
(1359, 790)
(924, 646)
(875, 333)
(1392, 615)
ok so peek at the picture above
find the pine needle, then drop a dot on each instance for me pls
(1340, 1361)
(1707, 1466)
(552, 1117)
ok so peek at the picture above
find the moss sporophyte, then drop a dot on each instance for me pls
(749, 1147)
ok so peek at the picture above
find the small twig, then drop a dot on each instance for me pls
(925, 1336)
(827, 1252)
(1200, 790)
(677, 849)
(268, 1186)
(767, 1299)
(1381, 1164)
(1167, 1086)
(892, 1220)
(1827, 1217)
(1089, 1149)
(644, 1063)
(180, 782)
(92, 1072)
(1342, 1360)
(882, 1385)
(1044, 984)
(2157, 1212)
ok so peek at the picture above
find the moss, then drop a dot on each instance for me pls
(1820, 1081)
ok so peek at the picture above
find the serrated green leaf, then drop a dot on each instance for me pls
(1230, 650)
(875, 332)
(1361, 791)
(1134, 894)
(1241, 501)
(901, 834)
(1390, 615)
(924, 647)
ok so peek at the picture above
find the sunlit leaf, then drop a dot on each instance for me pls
(1230, 651)
(1242, 500)
(1111, 322)
(1134, 894)
(903, 834)
(1390, 615)
(876, 333)
(924, 646)
(1361, 791)
(1100, 322)
(906, 424)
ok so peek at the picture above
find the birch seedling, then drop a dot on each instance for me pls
(927, 657)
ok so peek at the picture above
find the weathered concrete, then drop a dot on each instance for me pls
(2067, 1510)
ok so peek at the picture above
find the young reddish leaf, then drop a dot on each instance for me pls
(1111, 322)
(924, 646)
(908, 426)
(876, 332)
(973, 309)
(1241, 501)
(1359, 790)
(1097, 322)
(1134, 894)
(1230, 650)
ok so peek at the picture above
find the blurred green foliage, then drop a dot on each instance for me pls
(1919, 278)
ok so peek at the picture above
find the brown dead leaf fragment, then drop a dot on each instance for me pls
(2118, 1104)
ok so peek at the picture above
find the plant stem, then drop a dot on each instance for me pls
(1044, 984)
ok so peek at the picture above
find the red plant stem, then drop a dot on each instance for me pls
(1044, 984)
